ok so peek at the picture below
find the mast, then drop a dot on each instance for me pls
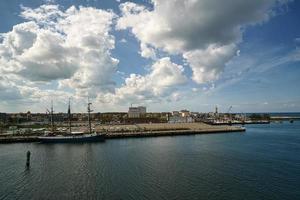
(51, 117)
(69, 116)
(89, 115)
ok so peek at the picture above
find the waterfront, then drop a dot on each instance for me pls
(141, 130)
(262, 163)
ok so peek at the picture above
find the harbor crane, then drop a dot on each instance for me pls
(229, 109)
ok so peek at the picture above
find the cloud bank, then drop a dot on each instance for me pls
(72, 47)
(204, 32)
(68, 52)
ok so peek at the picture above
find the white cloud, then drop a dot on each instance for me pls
(72, 46)
(195, 89)
(49, 1)
(194, 27)
(8, 90)
(208, 64)
(123, 40)
(69, 50)
(147, 51)
(175, 96)
(162, 80)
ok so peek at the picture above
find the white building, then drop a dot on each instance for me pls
(136, 112)
(180, 119)
(183, 116)
(185, 113)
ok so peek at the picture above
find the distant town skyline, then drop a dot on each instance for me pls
(165, 55)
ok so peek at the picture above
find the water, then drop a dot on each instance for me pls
(263, 163)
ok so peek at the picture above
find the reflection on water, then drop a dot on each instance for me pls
(259, 164)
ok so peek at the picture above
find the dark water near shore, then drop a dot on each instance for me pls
(262, 163)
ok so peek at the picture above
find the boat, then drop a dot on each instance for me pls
(72, 137)
(75, 138)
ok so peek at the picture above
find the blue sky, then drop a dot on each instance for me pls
(166, 55)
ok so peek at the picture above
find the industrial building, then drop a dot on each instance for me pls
(136, 112)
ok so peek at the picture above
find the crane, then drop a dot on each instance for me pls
(229, 115)
(229, 109)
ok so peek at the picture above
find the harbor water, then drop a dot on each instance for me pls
(261, 163)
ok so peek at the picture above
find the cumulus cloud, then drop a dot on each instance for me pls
(193, 28)
(72, 46)
(8, 90)
(208, 64)
(15, 89)
(162, 81)
(70, 49)
(147, 51)
(97, 66)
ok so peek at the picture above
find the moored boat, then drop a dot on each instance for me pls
(76, 138)
(72, 137)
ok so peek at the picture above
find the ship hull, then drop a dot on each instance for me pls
(72, 139)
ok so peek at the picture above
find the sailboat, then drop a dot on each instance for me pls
(72, 137)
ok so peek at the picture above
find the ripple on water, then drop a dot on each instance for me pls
(259, 164)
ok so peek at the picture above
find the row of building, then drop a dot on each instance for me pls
(134, 115)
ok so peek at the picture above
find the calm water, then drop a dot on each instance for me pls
(263, 163)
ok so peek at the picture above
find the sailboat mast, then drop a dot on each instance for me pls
(89, 116)
(69, 116)
(51, 117)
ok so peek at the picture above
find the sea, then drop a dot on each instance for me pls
(261, 163)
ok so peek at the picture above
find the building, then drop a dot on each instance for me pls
(175, 113)
(183, 116)
(3, 117)
(180, 119)
(185, 113)
(136, 112)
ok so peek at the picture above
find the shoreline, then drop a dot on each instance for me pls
(171, 133)
(191, 130)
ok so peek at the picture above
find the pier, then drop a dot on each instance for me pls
(143, 130)
(170, 133)
(165, 129)
(239, 122)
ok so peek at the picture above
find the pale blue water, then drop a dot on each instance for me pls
(262, 163)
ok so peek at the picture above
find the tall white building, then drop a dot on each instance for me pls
(136, 112)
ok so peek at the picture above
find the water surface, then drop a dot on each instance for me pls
(262, 163)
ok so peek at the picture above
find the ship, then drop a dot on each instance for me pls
(71, 137)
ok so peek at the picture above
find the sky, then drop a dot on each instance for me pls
(165, 55)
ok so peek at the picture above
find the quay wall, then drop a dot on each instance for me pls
(144, 130)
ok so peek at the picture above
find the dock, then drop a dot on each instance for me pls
(169, 133)
(144, 130)
(240, 122)
(164, 129)
(18, 139)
